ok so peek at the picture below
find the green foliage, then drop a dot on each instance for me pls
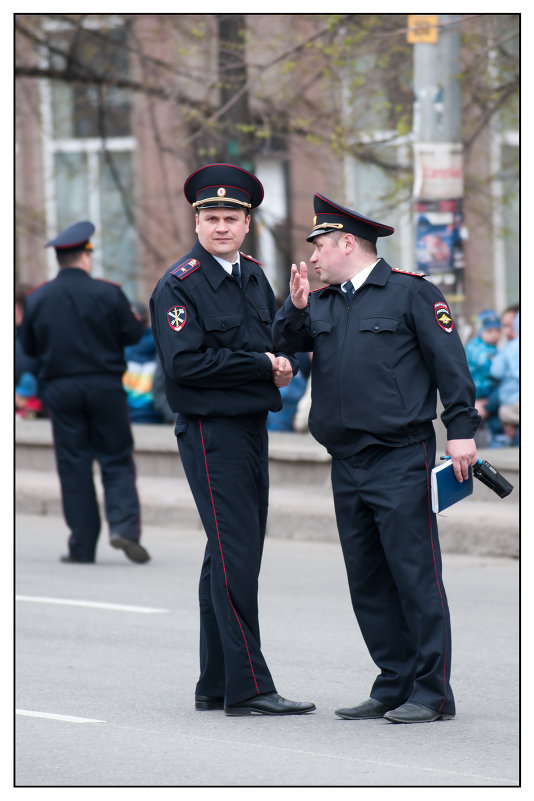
(288, 66)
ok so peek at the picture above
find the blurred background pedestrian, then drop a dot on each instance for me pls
(480, 352)
(76, 327)
(505, 368)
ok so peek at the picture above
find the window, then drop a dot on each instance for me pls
(89, 151)
(84, 109)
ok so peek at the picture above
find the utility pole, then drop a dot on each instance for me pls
(437, 116)
(438, 156)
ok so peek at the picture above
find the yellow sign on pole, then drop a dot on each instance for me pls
(422, 29)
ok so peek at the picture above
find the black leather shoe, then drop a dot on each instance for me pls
(269, 704)
(132, 549)
(72, 560)
(209, 702)
(411, 712)
(365, 711)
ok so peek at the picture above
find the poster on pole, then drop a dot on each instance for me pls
(438, 170)
(439, 235)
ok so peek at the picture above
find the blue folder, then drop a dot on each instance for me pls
(446, 489)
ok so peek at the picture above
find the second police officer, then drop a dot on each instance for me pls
(383, 343)
(211, 318)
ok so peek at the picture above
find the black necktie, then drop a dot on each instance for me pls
(349, 291)
(235, 273)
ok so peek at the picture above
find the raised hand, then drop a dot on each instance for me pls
(299, 286)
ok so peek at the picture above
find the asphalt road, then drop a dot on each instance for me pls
(106, 664)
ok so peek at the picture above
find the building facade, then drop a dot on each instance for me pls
(118, 155)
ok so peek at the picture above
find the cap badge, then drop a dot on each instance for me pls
(443, 316)
(221, 191)
(176, 317)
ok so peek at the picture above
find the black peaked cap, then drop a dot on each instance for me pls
(223, 185)
(75, 237)
(330, 216)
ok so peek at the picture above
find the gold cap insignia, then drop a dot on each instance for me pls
(221, 191)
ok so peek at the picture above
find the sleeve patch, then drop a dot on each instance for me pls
(185, 268)
(176, 317)
(443, 316)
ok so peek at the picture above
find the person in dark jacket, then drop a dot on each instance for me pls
(77, 327)
(383, 343)
(211, 318)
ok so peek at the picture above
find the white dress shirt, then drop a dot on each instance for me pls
(360, 277)
(227, 265)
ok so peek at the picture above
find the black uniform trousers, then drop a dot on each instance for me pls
(226, 464)
(89, 416)
(392, 556)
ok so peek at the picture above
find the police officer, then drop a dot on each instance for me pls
(383, 342)
(211, 317)
(77, 327)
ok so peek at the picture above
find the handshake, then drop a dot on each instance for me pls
(282, 370)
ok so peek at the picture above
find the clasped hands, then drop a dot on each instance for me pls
(282, 370)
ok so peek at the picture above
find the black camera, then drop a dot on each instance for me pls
(492, 478)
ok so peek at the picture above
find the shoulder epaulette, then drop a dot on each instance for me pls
(107, 281)
(407, 272)
(250, 258)
(184, 269)
(34, 288)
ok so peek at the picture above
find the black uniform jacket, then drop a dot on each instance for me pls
(78, 325)
(212, 336)
(378, 363)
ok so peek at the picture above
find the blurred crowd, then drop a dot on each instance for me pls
(493, 359)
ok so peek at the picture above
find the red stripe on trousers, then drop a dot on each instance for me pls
(435, 569)
(222, 558)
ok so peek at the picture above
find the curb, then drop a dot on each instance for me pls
(480, 528)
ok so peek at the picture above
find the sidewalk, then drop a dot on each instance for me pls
(301, 505)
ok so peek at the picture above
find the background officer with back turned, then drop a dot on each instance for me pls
(211, 318)
(383, 342)
(77, 327)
